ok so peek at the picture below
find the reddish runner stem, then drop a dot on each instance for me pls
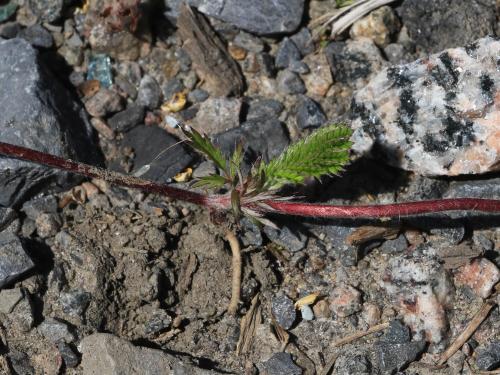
(223, 202)
(385, 210)
(83, 169)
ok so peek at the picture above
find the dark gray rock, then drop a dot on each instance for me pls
(309, 113)
(280, 364)
(20, 362)
(126, 87)
(397, 333)
(172, 87)
(488, 358)
(148, 142)
(75, 303)
(251, 234)
(198, 96)
(393, 357)
(290, 83)
(149, 94)
(172, 10)
(299, 67)
(38, 205)
(348, 364)
(287, 52)
(46, 10)
(264, 137)
(127, 119)
(453, 234)
(76, 78)
(14, 262)
(283, 311)
(159, 322)
(489, 188)
(39, 113)
(397, 245)
(56, 331)
(264, 108)
(303, 41)
(249, 42)
(436, 25)
(422, 188)
(70, 358)
(9, 30)
(257, 17)
(354, 62)
(7, 215)
(37, 36)
(288, 236)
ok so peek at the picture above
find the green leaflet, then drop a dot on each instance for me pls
(324, 152)
(213, 181)
(203, 144)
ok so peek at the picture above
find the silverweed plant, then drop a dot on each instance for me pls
(257, 193)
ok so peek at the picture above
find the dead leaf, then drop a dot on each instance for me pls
(369, 233)
(248, 326)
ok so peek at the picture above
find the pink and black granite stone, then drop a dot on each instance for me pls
(435, 116)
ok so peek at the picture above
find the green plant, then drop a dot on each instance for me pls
(324, 152)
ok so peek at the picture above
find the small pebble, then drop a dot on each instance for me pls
(307, 312)
(103, 103)
(280, 364)
(149, 93)
(38, 36)
(480, 275)
(488, 358)
(287, 52)
(283, 311)
(290, 83)
(309, 113)
(345, 300)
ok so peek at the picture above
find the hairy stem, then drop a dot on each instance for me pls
(383, 210)
(69, 165)
(223, 202)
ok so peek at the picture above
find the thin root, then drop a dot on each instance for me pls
(236, 266)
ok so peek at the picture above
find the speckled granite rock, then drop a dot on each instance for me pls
(421, 289)
(434, 116)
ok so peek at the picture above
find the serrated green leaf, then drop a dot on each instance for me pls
(324, 152)
(214, 181)
(236, 159)
(203, 144)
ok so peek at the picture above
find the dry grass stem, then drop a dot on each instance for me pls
(480, 316)
(248, 326)
(345, 17)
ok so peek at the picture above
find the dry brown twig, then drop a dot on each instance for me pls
(357, 335)
(248, 326)
(476, 321)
